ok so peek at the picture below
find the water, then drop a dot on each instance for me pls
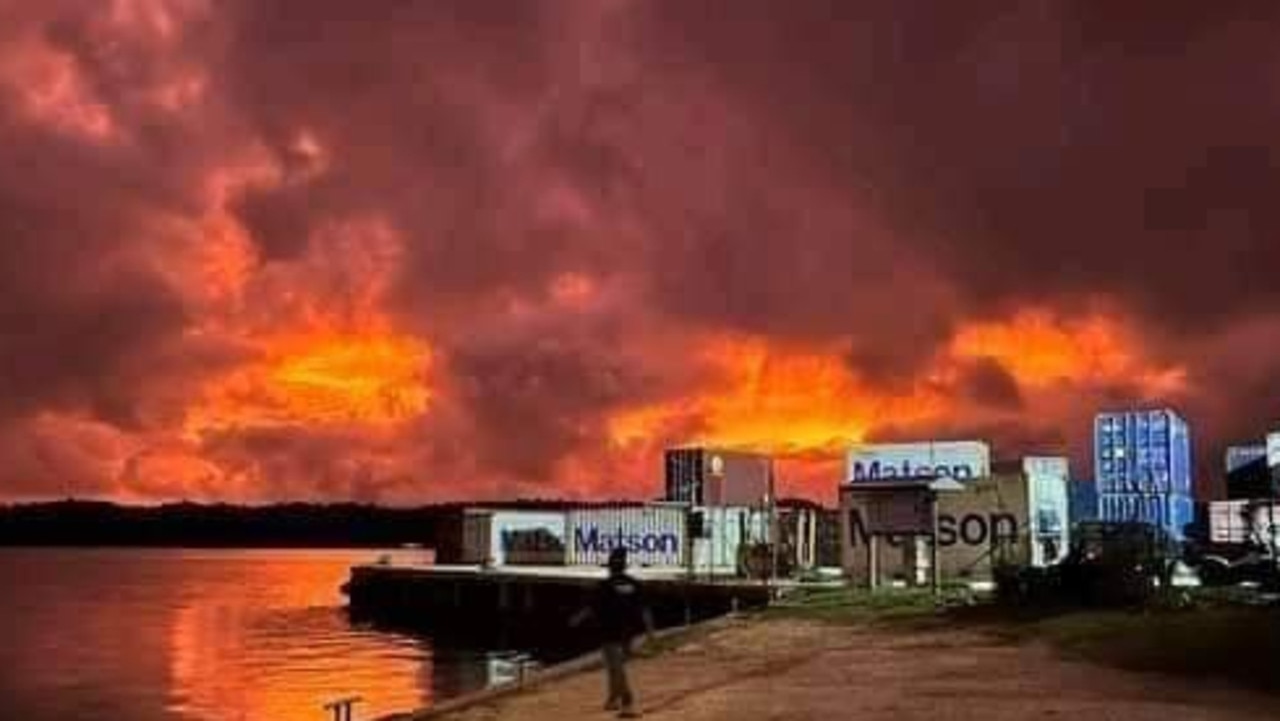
(177, 635)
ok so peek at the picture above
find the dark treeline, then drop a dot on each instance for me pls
(296, 525)
(93, 523)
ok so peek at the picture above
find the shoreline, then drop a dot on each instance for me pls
(765, 666)
(585, 663)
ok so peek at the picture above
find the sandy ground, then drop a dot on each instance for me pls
(792, 670)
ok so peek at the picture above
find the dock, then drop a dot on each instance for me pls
(528, 605)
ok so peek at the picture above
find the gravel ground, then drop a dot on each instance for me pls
(787, 670)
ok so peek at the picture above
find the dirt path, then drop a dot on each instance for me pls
(791, 670)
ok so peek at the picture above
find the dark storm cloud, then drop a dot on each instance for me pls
(986, 383)
(279, 220)
(421, 107)
(866, 175)
(542, 391)
(92, 328)
(1035, 150)
(79, 303)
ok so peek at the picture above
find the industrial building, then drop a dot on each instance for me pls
(1142, 463)
(716, 477)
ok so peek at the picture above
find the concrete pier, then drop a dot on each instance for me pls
(526, 604)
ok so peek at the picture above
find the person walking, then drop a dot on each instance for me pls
(620, 611)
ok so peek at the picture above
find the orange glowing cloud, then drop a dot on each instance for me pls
(778, 398)
(1039, 349)
(372, 377)
(795, 400)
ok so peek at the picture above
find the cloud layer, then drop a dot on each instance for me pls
(413, 251)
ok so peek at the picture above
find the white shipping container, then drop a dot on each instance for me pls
(509, 528)
(1242, 521)
(960, 460)
(1228, 522)
(1273, 449)
(1240, 456)
(654, 535)
(1047, 478)
(726, 531)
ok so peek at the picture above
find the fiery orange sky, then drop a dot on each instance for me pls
(260, 250)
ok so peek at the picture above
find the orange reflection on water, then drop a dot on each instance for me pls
(279, 653)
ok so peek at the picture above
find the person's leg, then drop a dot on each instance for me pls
(611, 702)
(615, 666)
(624, 686)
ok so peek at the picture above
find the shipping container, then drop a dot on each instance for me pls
(654, 535)
(1082, 501)
(1249, 480)
(1229, 521)
(982, 524)
(463, 538)
(716, 477)
(1142, 453)
(725, 534)
(1242, 522)
(1273, 450)
(961, 460)
(1240, 456)
(1048, 478)
(798, 534)
(1173, 513)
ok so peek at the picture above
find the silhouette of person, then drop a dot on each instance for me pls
(620, 611)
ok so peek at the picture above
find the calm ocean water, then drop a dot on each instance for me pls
(151, 635)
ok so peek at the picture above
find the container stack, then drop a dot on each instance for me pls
(1143, 468)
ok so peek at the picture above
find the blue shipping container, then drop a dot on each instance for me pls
(1143, 453)
(1168, 511)
(1082, 501)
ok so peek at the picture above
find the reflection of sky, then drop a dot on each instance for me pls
(128, 635)
(282, 651)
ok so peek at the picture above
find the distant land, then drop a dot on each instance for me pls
(287, 525)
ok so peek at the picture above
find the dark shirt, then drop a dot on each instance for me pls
(619, 608)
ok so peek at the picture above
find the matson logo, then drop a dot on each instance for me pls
(531, 540)
(591, 540)
(875, 470)
(971, 529)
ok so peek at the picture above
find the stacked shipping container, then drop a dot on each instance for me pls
(1142, 462)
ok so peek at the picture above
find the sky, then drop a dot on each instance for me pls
(401, 252)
